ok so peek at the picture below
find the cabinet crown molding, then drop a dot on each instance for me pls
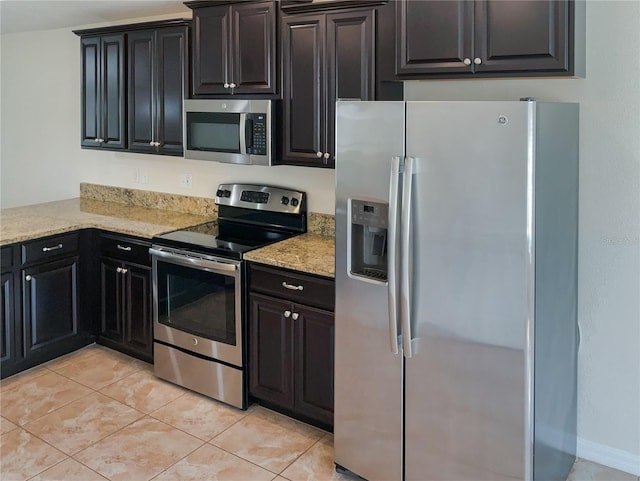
(178, 22)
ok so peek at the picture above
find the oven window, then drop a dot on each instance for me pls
(196, 301)
(212, 131)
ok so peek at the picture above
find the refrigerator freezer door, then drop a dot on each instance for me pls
(368, 375)
(466, 385)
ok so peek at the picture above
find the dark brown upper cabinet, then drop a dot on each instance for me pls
(327, 55)
(488, 38)
(234, 48)
(156, 79)
(103, 91)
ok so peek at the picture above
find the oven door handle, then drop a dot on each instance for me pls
(195, 261)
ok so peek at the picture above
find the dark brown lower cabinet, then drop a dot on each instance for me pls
(291, 349)
(50, 304)
(125, 305)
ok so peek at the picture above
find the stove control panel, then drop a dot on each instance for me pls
(261, 197)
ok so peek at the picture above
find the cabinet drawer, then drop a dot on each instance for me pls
(125, 248)
(49, 248)
(6, 262)
(293, 286)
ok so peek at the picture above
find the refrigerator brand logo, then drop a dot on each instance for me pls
(502, 120)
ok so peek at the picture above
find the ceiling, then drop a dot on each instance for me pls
(29, 15)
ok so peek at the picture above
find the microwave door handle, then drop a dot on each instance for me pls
(243, 138)
(248, 133)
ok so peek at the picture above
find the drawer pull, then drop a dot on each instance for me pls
(53, 248)
(124, 248)
(292, 287)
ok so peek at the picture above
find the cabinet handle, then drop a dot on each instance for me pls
(287, 314)
(292, 287)
(226, 85)
(295, 316)
(232, 85)
(152, 143)
(52, 248)
(27, 277)
(467, 61)
(477, 60)
(124, 248)
(119, 270)
(327, 155)
(318, 154)
(157, 144)
(96, 140)
(123, 270)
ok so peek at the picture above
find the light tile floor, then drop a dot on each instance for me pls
(97, 414)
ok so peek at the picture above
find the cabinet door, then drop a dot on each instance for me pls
(210, 50)
(434, 37)
(528, 35)
(90, 55)
(141, 46)
(253, 48)
(138, 320)
(303, 90)
(7, 310)
(50, 304)
(113, 90)
(314, 353)
(271, 350)
(171, 75)
(103, 97)
(111, 300)
(350, 65)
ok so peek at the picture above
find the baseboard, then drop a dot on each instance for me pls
(608, 456)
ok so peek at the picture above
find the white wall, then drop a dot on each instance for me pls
(609, 240)
(41, 159)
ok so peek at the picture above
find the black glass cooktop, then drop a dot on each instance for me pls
(225, 239)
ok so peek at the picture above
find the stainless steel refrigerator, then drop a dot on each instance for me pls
(456, 287)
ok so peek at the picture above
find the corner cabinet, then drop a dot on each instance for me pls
(157, 60)
(326, 55)
(488, 38)
(133, 85)
(41, 311)
(291, 343)
(125, 296)
(234, 48)
(103, 91)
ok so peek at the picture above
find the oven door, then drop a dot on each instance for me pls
(197, 303)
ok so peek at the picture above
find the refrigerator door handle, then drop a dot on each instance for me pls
(405, 256)
(392, 252)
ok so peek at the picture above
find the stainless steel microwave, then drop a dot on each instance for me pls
(238, 131)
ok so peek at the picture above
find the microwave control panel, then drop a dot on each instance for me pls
(258, 126)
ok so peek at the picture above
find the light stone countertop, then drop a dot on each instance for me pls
(40, 220)
(311, 253)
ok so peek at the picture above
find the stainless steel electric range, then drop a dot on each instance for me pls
(199, 288)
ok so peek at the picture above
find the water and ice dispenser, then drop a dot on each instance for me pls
(368, 243)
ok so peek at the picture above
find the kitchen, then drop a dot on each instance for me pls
(608, 267)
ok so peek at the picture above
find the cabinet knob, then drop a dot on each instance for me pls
(226, 85)
(123, 270)
(295, 316)
(27, 277)
(119, 270)
(232, 85)
(326, 155)
(287, 314)
(152, 143)
(318, 154)
(467, 61)
(96, 140)
(194, 341)
(477, 60)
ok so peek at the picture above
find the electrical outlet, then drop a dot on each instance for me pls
(186, 181)
(144, 175)
(136, 175)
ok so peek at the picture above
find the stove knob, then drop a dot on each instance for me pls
(219, 193)
(294, 202)
(284, 200)
(227, 193)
